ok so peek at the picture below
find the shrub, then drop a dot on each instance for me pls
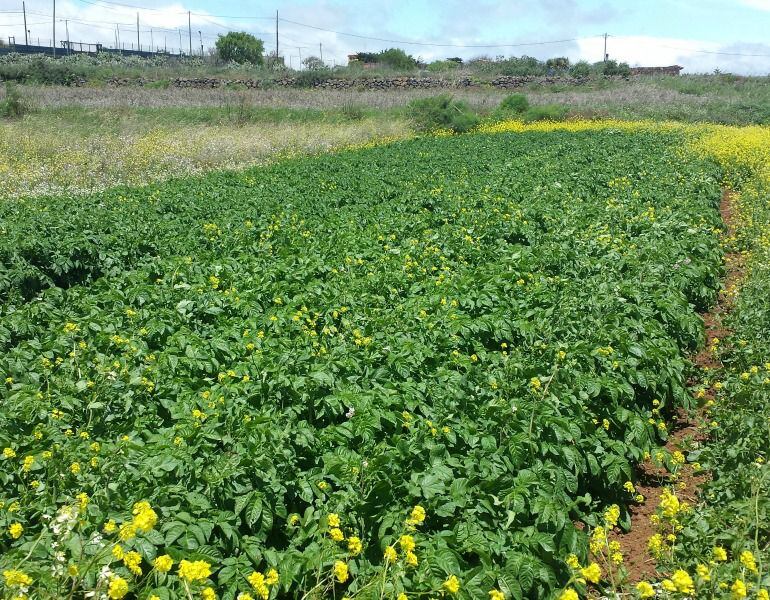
(613, 67)
(442, 66)
(580, 69)
(547, 112)
(240, 47)
(442, 112)
(515, 103)
(14, 104)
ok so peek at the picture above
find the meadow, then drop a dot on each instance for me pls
(423, 367)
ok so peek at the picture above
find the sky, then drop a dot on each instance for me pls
(700, 35)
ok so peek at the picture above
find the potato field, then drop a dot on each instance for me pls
(421, 369)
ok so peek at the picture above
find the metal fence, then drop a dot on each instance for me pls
(69, 48)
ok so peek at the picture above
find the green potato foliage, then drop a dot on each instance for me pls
(478, 325)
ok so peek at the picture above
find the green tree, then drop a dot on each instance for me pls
(240, 47)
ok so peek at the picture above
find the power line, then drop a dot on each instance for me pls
(413, 43)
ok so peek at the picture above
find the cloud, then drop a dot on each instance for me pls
(758, 4)
(167, 26)
(695, 55)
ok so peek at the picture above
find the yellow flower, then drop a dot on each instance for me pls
(336, 534)
(569, 594)
(208, 594)
(496, 595)
(747, 560)
(645, 590)
(572, 562)
(72, 570)
(132, 560)
(9, 453)
(354, 545)
(16, 530)
(109, 526)
(75, 468)
(341, 571)
(390, 554)
(117, 552)
(683, 582)
(763, 595)
(407, 543)
(668, 585)
(334, 520)
(194, 570)
(669, 504)
(417, 516)
(452, 584)
(127, 531)
(738, 590)
(611, 516)
(144, 517)
(411, 559)
(719, 554)
(118, 588)
(271, 577)
(592, 573)
(257, 581)
(163, 563)
(14, 577)
(402, 596)
(703, 572)
(27, 464)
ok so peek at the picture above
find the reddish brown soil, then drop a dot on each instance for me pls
(684, 430)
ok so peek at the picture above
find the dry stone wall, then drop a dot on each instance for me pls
(365, 83)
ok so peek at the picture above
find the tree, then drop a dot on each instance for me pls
(313, 63)
(240, 47)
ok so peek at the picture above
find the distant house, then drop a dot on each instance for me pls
(362, 60)
(672, 70)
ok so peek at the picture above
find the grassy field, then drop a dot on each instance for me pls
(84, 139)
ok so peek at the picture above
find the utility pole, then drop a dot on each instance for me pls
(604, 59)
(299, 49)
(200, 36)
(152, 41)
(54, 29)
(117, 36)
(276, 37)
(189, 31)
(180, 40)
(321, 51)
(138, 45)
(26, 32)
(67, 29)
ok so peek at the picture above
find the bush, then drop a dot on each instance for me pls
(580, 69)
(240, 47)
(547, 112)
(14, 104)
(515, 103)
(442, 66)
(613, 67)
(442, 112)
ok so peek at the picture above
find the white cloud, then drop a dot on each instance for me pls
(759, 4)
(696, 56)
(94, 22)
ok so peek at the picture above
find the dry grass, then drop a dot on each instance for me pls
(37, 156)
(137, 97)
